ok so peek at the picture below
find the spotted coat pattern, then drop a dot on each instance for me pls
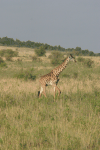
(52, 77)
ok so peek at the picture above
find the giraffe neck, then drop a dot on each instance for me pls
(61, 67)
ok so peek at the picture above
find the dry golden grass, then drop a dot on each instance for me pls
(8, 47)
(25, 54)
(17, 85)
(72, 122)
(66, 85)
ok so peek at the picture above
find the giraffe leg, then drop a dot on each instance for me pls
(38, 93)
(58, 90)
(42, 91)
(54, 92)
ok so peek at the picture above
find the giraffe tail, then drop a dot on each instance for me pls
(38, 93)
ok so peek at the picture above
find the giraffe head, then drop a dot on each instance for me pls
(72, 58)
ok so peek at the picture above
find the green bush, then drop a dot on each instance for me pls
(8, 57)
(19, 60)
(66, 75)
(2, 63)
(75, 75)
(27, 74)
(56, 58)
(41, 51)
(80, 59)
(8, 52)
(88, 63)
(2, 53)
(50, 56)
(35, 58)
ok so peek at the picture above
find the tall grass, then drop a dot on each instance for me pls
(72, 122)
(2, 63)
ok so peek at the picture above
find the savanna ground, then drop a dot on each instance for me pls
(72, 122)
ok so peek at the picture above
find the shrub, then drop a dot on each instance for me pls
(2, 63)
(88, 63)
(19, 60)
(50, 56)
(75, 75)
(9, 52)
(66, 75)
(35, 58)
(27, 74)
(1, 60)
(2, 52)
(12, 53)
(8, 57)
(41, 51)
(80, 59)
(57, 58)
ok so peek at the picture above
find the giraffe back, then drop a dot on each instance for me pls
(49, 79)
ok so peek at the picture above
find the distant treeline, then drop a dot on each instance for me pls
(5, 41)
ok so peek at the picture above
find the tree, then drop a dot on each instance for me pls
(41, 51)
(78, 48)
(57, 57)
(91, 53)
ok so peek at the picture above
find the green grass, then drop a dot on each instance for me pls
(72, 122)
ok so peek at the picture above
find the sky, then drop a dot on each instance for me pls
(68, 23)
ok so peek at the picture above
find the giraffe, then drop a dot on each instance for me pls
(52, 78)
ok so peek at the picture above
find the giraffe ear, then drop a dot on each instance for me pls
(71, 55)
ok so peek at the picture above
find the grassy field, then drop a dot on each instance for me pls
(72, 122)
